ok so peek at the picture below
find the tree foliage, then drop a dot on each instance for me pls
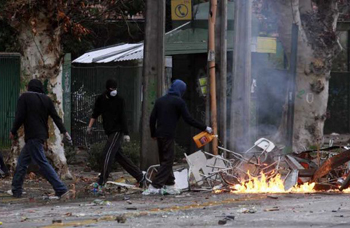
(7, 43)
(317, 20)
(82, 24)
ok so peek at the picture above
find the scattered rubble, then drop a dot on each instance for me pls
(59, 221)
(121, 219)
(309, 171)
(101, 202)
(50, 198)
(272, 209)
(247, 210)
(222, 222)
(226, 219)
(272, 196)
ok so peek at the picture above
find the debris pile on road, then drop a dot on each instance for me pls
(265, 168)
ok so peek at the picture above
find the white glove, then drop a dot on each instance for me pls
(209, 130)
(126, 138)
(89, 130)
(69, 139)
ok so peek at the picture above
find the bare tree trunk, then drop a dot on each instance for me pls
(315, 54)
(41, 59)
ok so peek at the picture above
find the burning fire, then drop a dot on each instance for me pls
(346, 190)
(274, 185)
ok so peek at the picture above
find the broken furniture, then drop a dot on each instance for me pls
(180, 174)
(204, 170)
(239, 167)
(254, 162)
(263, 158)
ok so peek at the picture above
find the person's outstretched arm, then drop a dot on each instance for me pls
(189, 119)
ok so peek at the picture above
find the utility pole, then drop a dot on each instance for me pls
(222, 85)
(211, 63)
(153, 76)
(240, 107)
(291, 90)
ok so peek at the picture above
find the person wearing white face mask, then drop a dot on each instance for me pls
(112, 108)
(113, 93)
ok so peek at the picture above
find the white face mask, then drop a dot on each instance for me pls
(113, 93)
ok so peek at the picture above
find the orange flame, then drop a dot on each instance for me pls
(346, 190)
(274, 185)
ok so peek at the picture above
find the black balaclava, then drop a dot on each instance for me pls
(35, 85)
(110, 83)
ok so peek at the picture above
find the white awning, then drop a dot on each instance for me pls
(117, 53)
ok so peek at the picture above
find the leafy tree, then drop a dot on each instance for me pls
(42, 27)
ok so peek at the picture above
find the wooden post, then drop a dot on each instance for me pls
(211, 60)
(153, 76)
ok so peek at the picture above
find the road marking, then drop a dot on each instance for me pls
(156, 210)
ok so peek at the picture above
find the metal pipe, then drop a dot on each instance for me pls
(291, 92)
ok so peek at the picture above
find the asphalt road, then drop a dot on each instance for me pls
(191, 209)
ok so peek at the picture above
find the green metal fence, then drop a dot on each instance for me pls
(66, 87)
(88, 82)
(9, 92)
(338, 109)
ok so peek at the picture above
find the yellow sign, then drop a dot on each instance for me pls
(266, 45)
(203, 85)
(181, 10)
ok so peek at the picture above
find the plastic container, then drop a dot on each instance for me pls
(203, 139)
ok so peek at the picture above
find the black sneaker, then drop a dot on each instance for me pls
(14, 194)
(143, 181)
(64, 196)
(17, 195)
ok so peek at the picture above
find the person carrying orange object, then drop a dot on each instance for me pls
(164, 117)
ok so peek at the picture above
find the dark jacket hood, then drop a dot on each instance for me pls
(111, 83)
(35, 86)
(178, 88)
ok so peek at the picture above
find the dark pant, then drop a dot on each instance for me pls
(165, 174)
(3, 167)
(34, 151)
(113, 150)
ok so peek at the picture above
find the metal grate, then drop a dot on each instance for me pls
(9, 92)
(88, 83)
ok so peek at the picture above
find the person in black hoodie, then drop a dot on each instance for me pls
(164, 117)
(112, 108)
(33, 111)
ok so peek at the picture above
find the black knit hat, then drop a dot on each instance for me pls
(111, 83)
(35, 85)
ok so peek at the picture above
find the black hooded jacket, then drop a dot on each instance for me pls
(113, 114)
(167, 111)
(33, 110)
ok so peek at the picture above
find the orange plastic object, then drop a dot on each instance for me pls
(203, 138)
